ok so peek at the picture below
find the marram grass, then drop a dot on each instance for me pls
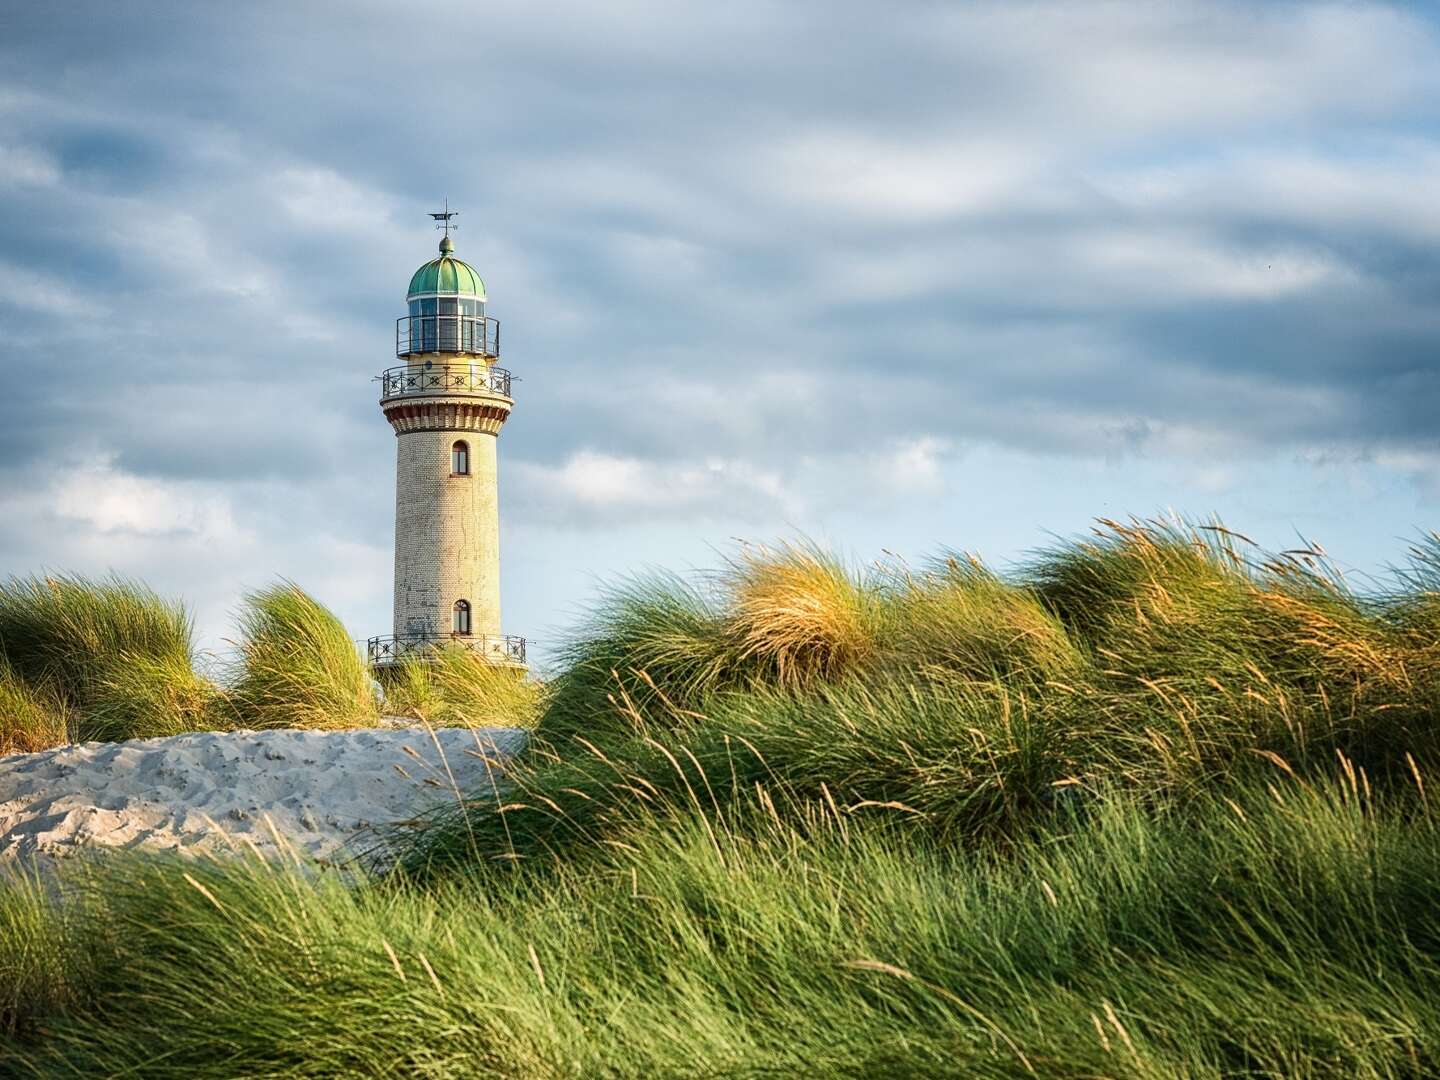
(33, 716)
(300, 667)
(798, 616)
(1154, 659)
(1156, 804)
(145, 698)
(959, 619)
(110, 660)
(1284, 929)
(70, 630)
(456, 688)
(88, 659)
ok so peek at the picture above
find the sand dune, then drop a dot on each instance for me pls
(322, 792)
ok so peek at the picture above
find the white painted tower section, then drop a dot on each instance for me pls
(446, 402)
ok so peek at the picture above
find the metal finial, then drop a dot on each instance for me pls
(442, 221)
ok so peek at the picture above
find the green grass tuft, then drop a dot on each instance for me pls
(299, 667)
(650, 632)
(103, 659)
(799, 616)
(145, 698)
(71, 631)
(1284, 929)
(32, 717)
(456, 688)
(958, 619)
(1158, 804)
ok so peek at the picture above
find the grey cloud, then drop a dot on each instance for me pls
(757, 264)
(745, 235)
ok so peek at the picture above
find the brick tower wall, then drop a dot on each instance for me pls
(447, 533)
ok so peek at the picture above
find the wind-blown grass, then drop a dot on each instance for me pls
(1153, 658)
(103, 659)
(1156, 804)
(111, 660)
(1200, 639)
(72, 631)
(644, 634)
(145, 698)
(299, 666)
(1286, 931)
(456, 688)
(798, 616)
(1201, 605)
(959, 619)
(32, 717)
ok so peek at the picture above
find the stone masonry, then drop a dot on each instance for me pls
(447, 527)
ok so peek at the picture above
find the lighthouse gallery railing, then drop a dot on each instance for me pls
(388, 650)
(477, 378)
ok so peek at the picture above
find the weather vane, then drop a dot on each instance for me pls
(442, 220)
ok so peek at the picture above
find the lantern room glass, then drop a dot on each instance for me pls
(447, 324)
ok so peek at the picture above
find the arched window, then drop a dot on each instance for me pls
(460, 458)
(461, 622)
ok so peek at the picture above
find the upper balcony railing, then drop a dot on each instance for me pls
(427, 378)
(477, 334)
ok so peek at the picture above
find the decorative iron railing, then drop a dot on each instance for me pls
(388, 650)
(443, 379)
(447, 333)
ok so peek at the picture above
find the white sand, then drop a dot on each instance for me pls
(323, 792)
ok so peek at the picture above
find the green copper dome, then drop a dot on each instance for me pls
(447, 274)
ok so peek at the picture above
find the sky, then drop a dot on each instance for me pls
(902, 279)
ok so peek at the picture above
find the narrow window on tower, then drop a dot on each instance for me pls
(462, 617)
(449, 326)
(427, 325)
(460, 459)
(415, 323)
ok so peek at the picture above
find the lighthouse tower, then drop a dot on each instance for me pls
(446, 401)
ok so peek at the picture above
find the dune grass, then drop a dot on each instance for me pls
(90, 659)
(71, 631)
(32, 715)
(144, 698)
(111, 660)
(1157, 804)
(798, 616)
(455, 688)
(957, 619)
(83, 660)
(643, 634)
(1154, 658)
(1285, 929)
(300, 667)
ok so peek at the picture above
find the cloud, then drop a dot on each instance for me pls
(26, 166)
(743, 257)
(914, 464)
(593, 486)
(201, 541)
(97, 496)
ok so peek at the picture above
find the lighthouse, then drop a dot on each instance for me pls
(446, 400)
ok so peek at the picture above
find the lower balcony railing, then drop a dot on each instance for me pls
(389, 650)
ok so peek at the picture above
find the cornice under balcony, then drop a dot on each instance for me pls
(447, 415)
